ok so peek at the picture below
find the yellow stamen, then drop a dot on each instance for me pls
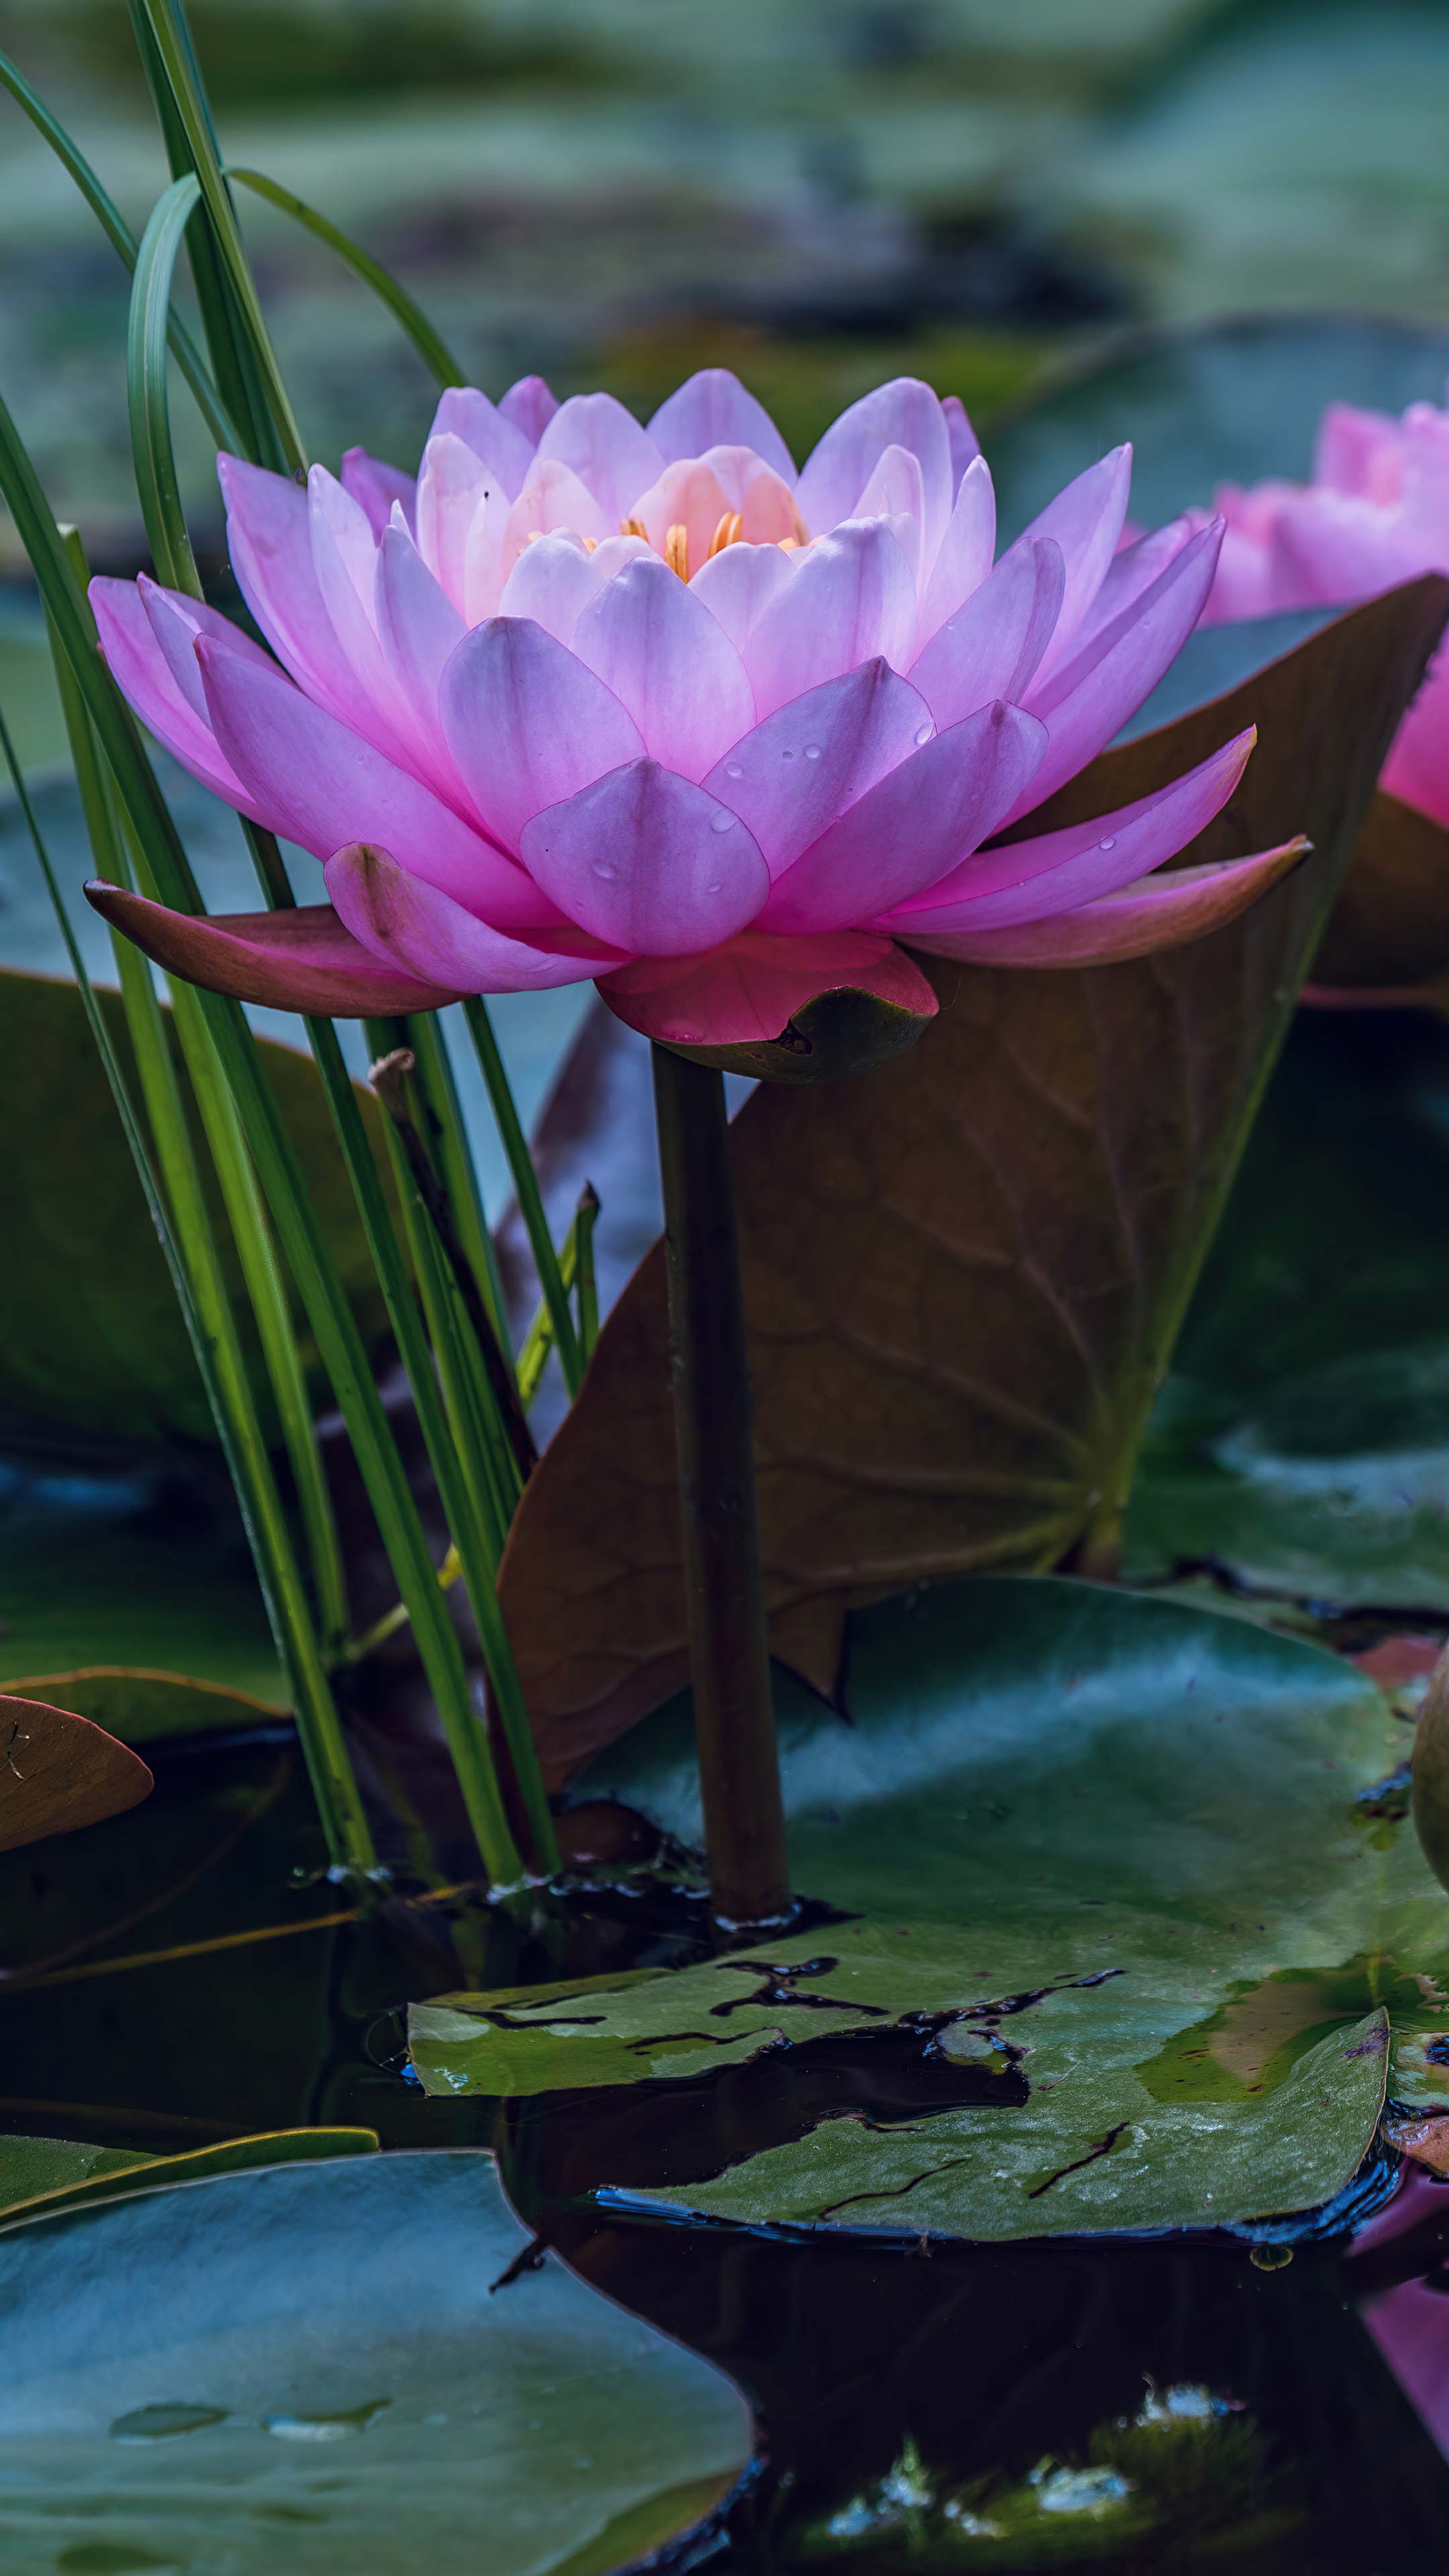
(788, 545)
(676, 550)
(802, 533)
(633, 528)
(728, 532)
(589, 544)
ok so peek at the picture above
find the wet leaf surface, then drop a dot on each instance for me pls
(964, 1271)
(39, 2176)
(1303, 1440)
(1111, 1846)
(58, 1772)
(91, 1338)
(323, 2367)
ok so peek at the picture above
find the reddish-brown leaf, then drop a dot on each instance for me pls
(58, 1772)
(964, 1270)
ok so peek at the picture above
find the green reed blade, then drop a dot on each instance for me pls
(147, 388)
(437, 357)
(525, 1183)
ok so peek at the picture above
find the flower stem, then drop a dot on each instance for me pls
(739, 1765)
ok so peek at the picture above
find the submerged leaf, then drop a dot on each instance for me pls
(964, 1270)
(58, 1772)
(317, 2369)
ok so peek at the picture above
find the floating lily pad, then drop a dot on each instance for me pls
(39, 2176)
(1076, 1827)
(59, 1772)
(320, 2369)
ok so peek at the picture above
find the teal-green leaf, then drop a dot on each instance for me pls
(320, 2369)
(1114, 1846)
(39, 2176)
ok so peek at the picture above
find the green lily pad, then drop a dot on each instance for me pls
(1304, 1438)
(322, 2368)
(91, 1337)
(39, 2176)
(1113, 1849)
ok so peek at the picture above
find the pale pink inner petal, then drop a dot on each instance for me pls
(792, 775)
(1085, 520)
(454, 484)
(648, 862)
(552, 580)
(1033, 879)
(913, 826)
(503, 447)
(605, 447)
(850, 597)
(964, 557)
(738, 584)
(905, 413)
(416, 927)
(895, 492)
(527, 723)
(530, 405)
(713, 410)
(377, 487)
(553, 498)
(670, 662)
(992, 644)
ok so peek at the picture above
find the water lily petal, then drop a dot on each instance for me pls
(147, 657)
(1089, 697)
(1085, 520)
(712, 409)
(752, 988)
(991, 645)
(1054, 872)
(377, 486)
(850, 597)
(505, 448)
(655, 644)
(810, 761)
(905, 413)
(418, 627)
(965, 445)
(344, 559)
(605, 447)
(316, 783)
(912, 826)
(528, 723)
(699, 491)
(454, 487)
(648, 862)
(552, 499)
(552, 580)
(738, 584)
(1136, 921)
(895, 491)
(530, 404)
(1133, 570)
(300, 960)
(421, 931)
(964, 557)
(269, 543)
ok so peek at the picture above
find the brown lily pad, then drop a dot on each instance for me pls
(965, 1269)
(59, 1772)
(1387, 944)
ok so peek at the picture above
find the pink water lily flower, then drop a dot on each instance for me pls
(1376, 513)
(649, 706)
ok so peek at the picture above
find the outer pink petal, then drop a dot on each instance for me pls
(604, 445)
(1085, 520)
(377, 486)
(750, 989)
(344, 559)
(141, 670)
(320, 785)
(530, 405)
(648, 862)
(418, 930)
(850, 597)
(303, 960)
(965, 445)
(1086, 701)
(176, 620)
(738, 584)
(1326, 548)
(905, 414)
(963, 560)
(990, 648)
(1137, 564)
(1030, 880)
(504, 448)
(912, 827)
(1350, 446)
(418, 627)
(528, 724)
(1159, 912)
(661, 652)
(270, 545)
(792, 775)
(712, 409)
(1417, 768)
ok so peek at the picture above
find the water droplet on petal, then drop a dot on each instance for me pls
(600, 870)
(721, 822)
(733, 769)
(812, 751)
(1108, 844)
(924, 734)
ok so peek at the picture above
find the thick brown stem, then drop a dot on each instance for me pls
(739, 1765)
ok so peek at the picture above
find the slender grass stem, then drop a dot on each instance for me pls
(525, 1183)
(739, 1763)
(587, 1285)
(533, 1358)
(447, 1136)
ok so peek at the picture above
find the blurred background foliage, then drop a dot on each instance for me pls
(818, 192)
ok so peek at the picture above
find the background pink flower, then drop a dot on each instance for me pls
(1375, 513)
(646, 705)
